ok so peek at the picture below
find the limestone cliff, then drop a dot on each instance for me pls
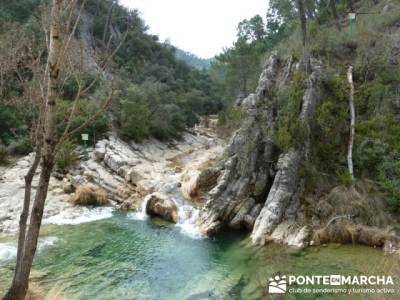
(263, 184)
(259, 185)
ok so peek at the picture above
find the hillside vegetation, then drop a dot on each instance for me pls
(371, 44)
(192, 59)
(154, 93)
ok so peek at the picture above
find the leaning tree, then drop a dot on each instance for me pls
(43, 89)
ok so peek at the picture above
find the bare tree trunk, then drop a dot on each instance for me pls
(25, 209)
(332, 5)
(47, 146)
(20, 285)
(352, 122)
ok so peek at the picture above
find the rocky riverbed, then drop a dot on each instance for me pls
(126, 172)
(178, 182)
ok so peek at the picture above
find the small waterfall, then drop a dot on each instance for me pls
(174, 174)
(140, 215)
(187, 216)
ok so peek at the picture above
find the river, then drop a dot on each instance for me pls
(120, 257)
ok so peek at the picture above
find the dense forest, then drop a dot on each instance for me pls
(155, 94)
(192, 59)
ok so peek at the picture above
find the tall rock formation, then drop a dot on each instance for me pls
(259, 185)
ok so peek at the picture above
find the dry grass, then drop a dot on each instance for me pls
(88, 195)
(355, 214)
(356, 234)
(35, 292)
(362, 201)
(55, 294)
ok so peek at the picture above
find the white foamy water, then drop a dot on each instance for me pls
(187, 221)
(8, 251)
(187, 217)
(140, 215)
(47, 241)
(80, 214)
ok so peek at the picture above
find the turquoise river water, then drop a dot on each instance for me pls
(124, 258)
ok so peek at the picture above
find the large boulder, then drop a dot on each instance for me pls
(160, 206)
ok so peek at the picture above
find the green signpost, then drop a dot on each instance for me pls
(352, 19)
(85, 138)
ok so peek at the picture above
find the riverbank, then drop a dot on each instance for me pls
(123, 258)
(128, 172)
(109, 253)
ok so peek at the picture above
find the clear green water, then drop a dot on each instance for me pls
(120, 258)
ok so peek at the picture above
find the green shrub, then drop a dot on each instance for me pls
(369, 96)
(236, 117)
(380, 127)
(3, 156)
(283, 138)
(84, 110)
(375, 160)
(368, 156)
(148, 110)
(290, 132)
(134, 121)
(230, 120)
(18, 10)
(71, 88)
(20, 147)
(168, 122)
(331, 127)
(13, 123)
(66, 157)
(222, 118)
(344, 177)
(389, 180)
